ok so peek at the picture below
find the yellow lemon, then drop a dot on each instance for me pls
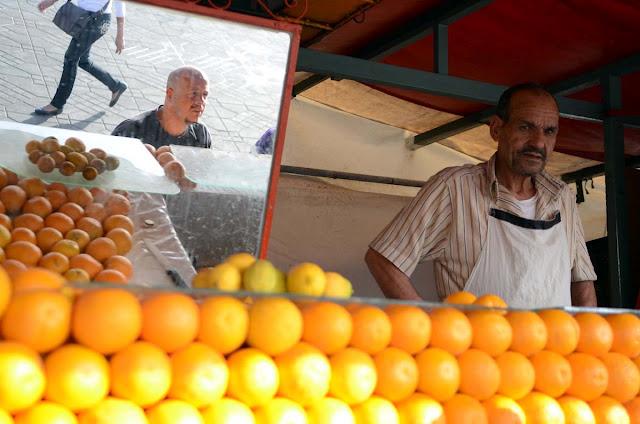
(22, 379)
(262, 277)
(306, 278)
(280, 410)
(46, 412)
(337, 285)
(5, 418)
(376, 410)
(241, 261)
(330, 411)
(227, 411)
(223, 277)
(305, 374)
(253, 377)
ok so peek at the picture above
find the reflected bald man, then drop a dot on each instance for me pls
(176, 121)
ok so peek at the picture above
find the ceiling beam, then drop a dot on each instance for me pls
(407, 34)
(338, 66)
(566, 87)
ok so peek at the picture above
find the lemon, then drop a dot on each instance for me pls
(223, 277)
(337, 285)
(263, 277)
(307, 278)
(228, 411)
(242, 260)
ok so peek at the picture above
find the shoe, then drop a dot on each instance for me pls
(44, 112)
(115, 95)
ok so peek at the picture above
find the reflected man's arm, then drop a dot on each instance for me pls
(583, 293)
(393, 282)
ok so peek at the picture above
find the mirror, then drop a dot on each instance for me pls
(245, 62)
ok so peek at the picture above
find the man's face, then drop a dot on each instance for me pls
(189, 98)
(527, 139)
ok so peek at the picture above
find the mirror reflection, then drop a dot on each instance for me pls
(203, 93)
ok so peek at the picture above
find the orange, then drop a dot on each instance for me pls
(173, 412)
(491, 332)
(169, 320)
(353, 376)
(22, 379)
(117, 204)
(280, 410)
(57, 186)
(462, 409)
(609, 411)
(80, 195)
(200, 375)
(460, 298)
(23, 251)
(491, 301)
(99, 194)
(224, 323)
(60, 222)
(86, 263)
(96, 211)
(112, 410)
(563, 331)
(68, 248)
(5, 221)
(77, 377)
(141, 373)
(327, 326)
(37, 278)
(39, 319)
(55, 262)
(106, 320)
(377, 410)
(371, 329)
(13, 197)
(118, 221)
(46, 412)
(253, 377)
(5, 289)
(47, 237)
(419, 408)
(32, 186)
(503, 410)
(4, 180)
(12, 178)
(517, 375)
(576, 411)
(228, 411)
(29, 220)
(72, 210)
(541, 409)
(2, 208)
(450, 330)
(56, 198)
(23, 234)
(305, 374)
(111, 276)
(626, 334)
(553, 373)
(79, 236)
(77, 275)
(589, 376)
(633, 409)
(2, 255)
(397, 374)
(5, 236)
(596, 336)
(330, 411)
(122, 240)
(38, 205)
(410, 328)
(479, 374)
(275, 325)
(101, 248)
(624, 377)
(439, 373)
(90, 226)
(120, 263)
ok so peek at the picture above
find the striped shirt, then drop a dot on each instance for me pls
(447, 223)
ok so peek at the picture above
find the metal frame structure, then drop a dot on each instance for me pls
(362, 67)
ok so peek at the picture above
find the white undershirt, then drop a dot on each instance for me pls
(528, 207)
(95, 5)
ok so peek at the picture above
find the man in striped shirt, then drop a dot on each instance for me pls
(504, 226)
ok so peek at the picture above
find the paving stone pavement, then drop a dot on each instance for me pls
(245, 69)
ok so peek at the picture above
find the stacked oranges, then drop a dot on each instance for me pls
(76, 232)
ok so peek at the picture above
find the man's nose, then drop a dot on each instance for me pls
(537, 139)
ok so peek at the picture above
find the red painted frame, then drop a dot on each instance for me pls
(294, 30)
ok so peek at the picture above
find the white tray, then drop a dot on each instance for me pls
(138, 170)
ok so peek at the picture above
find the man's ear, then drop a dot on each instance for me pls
(495, 125)
(169, 93)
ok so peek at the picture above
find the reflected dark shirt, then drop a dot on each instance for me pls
(147, 128)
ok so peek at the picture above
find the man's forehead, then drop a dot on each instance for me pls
(533, 106)
(193, 80)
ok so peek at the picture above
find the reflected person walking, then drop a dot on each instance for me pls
(79, 50)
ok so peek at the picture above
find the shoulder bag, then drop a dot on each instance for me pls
(72, 19)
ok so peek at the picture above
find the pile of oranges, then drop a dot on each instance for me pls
(105, 355)
(76, 232)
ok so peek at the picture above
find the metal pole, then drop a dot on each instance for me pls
(617, 223)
